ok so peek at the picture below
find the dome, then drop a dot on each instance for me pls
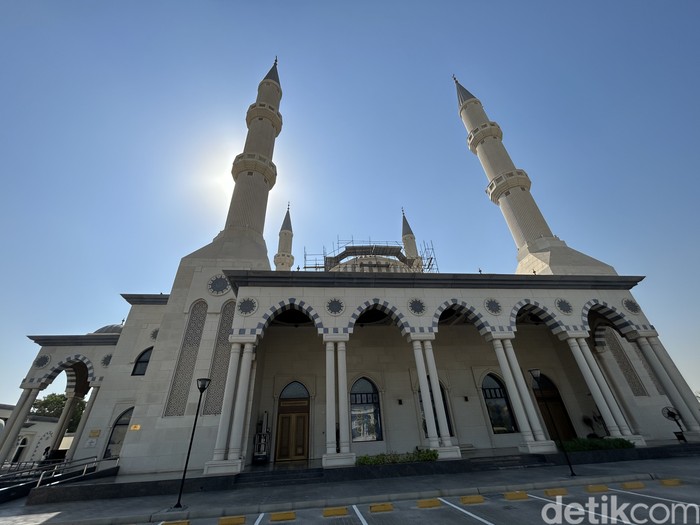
(371, 263)
(109, 329)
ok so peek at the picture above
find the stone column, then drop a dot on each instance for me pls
(235, 443)
(605, 388)
(675, 375)
(330, 398)
(83, 421)
(593, 388)
(13, 428)
(671, 392)
(14, 415)
(343, 403)
(433, 440)
(513, 392)
(437, 395)
(68, 408)
(227, 406)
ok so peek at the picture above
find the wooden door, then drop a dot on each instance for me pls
(292, 430)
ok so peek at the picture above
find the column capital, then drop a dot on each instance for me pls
(334, 338)
(495, 336)
(243, 339)
(636, 334)
(425, 336)
(573, 334)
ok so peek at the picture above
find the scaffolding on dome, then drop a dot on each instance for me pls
(344, 249)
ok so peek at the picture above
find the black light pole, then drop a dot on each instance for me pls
(536, 373)
(202, 385)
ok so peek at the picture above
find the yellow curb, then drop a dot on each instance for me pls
(470, 500)
(671, 482)
(628, 485)
(381, 507)
(516, 495)
(556, 492)
(329, 512)
(597, 488)
(428, 503)
(181, 522)
(283, 516)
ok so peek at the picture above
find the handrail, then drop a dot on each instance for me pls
(93, 462)
(44, 467)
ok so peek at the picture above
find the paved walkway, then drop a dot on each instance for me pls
(250, 500)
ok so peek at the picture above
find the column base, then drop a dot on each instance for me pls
(692, 436)
(224, 466)
(538, 447)
(342, 459)
(452, 452)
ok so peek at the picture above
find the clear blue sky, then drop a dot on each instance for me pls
(119, 122)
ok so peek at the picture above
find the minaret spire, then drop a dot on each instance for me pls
(539, 250)
(284, 258)
(241, 242)
(409, 244)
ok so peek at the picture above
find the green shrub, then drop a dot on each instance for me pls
(394, 457)
(583, 444)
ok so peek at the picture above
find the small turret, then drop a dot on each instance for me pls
(284, 258)
(409, 245)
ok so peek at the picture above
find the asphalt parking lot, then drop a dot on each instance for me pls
(637, 502)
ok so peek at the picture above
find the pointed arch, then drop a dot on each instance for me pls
(547, 316)
(365, 411)
(288, 304)
(118, 433)
(614, 316)
(498, 407)
(474, 317)
(76, 374)
(141, 362)
(383, 306)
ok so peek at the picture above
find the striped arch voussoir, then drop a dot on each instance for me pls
(554, 324)
(290, 304)
(388, 309)
(611, 314)
(473, 316)
(66, 365)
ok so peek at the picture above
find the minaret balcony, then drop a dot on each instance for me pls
(477, 135)
(266, 111)
(507, 181)
(252, 162)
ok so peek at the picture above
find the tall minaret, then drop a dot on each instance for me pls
(409, 245)
(539, 250)
(241, 242)
(284, 258)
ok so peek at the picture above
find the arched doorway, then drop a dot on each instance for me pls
(553, 410)
(292, 442)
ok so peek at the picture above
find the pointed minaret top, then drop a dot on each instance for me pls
(287, 222)
(406, 228)
(462, 94)
(272, 74)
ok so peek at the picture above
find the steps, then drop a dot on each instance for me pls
(270, 478)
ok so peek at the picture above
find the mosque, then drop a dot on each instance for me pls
(369, 351)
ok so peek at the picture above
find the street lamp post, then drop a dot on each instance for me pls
(202, 385)
(536, 373)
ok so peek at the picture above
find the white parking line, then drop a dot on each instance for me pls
(654, 497)
(257, 522)
(578, 506)
(360, 517)
(482, 520)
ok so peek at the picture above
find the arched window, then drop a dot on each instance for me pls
(20, 448)
(294, 390)
(365, 415)
(141, 363)
(119, 430)
(498, 405)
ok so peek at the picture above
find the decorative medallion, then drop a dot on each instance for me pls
(218, 285)
(416, 306)
(106, 360)
(335, 306)
(493, 306)
(154, 333)
(564, 306)
(42, 361)
(631, 306)
(247, 306)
